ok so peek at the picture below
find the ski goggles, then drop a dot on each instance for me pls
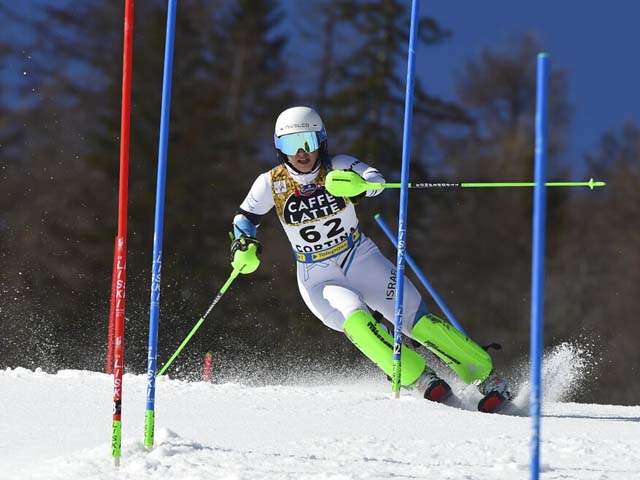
(291, 143)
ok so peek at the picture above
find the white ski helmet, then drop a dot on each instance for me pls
(299, 127)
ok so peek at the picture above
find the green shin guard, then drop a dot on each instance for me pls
(465, 357)
(362, 329)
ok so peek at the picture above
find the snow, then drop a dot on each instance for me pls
(58, 426)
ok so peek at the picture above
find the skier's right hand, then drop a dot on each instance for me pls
(244, 254)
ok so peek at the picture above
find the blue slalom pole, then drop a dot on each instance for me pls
(421, 276)
(537, 262)
(159, 225)
(404, 198)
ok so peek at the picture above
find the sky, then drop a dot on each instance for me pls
(328, 427)
(596, 42)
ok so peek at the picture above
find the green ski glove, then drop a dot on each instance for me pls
(244, 254)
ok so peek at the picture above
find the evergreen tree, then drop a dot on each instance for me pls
(480, 239)
(362, 87)
(73, 144)
(50, 228)
(61, 72)
(594, 275)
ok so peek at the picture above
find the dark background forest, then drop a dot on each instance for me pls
(233, 74)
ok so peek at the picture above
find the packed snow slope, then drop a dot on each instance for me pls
(58, 426)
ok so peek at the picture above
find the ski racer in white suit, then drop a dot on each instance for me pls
(341, 273)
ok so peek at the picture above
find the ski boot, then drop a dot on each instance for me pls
(432, 387)
(496, 394)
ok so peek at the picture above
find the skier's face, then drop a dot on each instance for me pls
(304, 161)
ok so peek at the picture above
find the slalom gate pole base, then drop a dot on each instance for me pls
(149, 422)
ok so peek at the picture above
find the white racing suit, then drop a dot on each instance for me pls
(339, 269)
(342, 275)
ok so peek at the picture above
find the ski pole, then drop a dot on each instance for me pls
(346, 183)
(224, 288)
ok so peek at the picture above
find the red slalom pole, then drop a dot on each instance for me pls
(120, 257)
(112, 312)
(208, 362)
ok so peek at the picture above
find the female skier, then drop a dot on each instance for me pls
(341, 273)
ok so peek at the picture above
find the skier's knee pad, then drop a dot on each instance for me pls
(362, 329)
(465, 357)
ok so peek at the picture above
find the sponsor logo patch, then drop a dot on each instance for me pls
(306, 190)
(279, 186)
(311, 206)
